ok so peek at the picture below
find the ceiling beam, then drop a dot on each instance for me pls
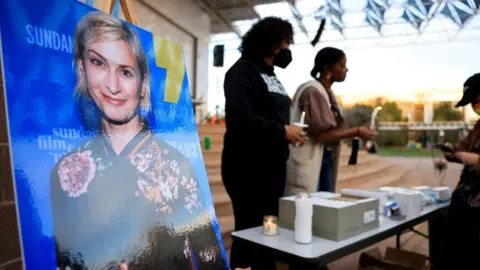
(211, 10)
(251, 4)
(297, 15)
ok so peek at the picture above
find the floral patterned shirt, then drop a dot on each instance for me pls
(130, 209)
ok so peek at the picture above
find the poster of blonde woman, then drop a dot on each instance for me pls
(108, 168)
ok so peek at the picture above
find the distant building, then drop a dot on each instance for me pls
(417, 106)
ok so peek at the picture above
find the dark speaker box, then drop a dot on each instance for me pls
(218, 52)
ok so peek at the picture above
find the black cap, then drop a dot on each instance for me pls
(471, 90)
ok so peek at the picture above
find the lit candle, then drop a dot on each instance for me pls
(374, 116)
(270, 226)
(302, 118)
(301, 124)
(372, 124)
(303, 218)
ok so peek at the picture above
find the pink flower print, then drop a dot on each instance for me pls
(174, 167)
(140, 161)
(166, 191)
(76, 172)
(189, 183)
(166, 209)
(153, 193)
(191, 199)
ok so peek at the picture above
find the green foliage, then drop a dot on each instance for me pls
(446, 112)
(390, 112)
(392, 138)
(358, 115)
(451, 136)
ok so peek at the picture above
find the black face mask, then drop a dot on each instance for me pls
(283, 58)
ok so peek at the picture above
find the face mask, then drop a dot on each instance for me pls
(476, 108)
(283, 58)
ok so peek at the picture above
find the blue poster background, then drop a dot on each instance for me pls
(39, 83)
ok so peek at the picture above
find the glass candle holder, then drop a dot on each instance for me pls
(270, 225)
(303, 218)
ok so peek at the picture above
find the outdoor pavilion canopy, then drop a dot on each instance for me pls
(350, 20)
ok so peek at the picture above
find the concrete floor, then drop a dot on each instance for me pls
(410, 241)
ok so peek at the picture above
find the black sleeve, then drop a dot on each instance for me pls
(239, 85)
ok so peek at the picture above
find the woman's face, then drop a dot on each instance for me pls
(339, 70)
(113, 79)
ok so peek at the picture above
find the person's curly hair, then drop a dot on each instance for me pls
(264, 35)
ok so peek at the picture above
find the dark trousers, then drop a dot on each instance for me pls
(462, 237)
(254, 194)
(325, 181)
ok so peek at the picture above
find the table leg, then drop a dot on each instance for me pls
(435, 243)
(398, 239)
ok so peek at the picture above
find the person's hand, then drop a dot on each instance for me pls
(467, 158)
(448, 154)
(295, 135)
(366, 134)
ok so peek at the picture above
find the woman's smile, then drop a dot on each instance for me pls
(114, 101)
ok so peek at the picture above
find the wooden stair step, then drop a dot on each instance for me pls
(352, 174)
(222, 204)
(213, 145)
(211, 129)
(388, 177)
(213, 138)
(214, 164)
(345, 156)
(226, 224)
(217, 187)
(413, 178)
(215, 179)
(212, 153)
(362, 163)
(359, 177)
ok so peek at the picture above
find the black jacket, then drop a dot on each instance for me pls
(257, 109)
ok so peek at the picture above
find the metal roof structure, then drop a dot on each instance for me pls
(412, 21)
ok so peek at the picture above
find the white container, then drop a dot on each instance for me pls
(410, 202)
(442, 193)
(303, 218)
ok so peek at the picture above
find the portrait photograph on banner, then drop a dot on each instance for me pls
(108, 167)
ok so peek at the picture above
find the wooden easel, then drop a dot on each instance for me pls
(107, 6)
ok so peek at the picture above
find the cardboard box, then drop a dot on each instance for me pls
(380, 195)
(336, 218)
(394, 259)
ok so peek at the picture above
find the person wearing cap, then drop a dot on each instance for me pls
(462, 242)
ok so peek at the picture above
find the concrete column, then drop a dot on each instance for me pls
(428, 112)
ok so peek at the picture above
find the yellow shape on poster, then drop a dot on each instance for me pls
(169, 55)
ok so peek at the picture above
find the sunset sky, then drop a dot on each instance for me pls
(396, 65)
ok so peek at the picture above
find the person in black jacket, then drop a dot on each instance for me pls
(258, 133)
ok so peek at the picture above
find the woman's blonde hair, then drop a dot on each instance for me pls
(100, 26)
